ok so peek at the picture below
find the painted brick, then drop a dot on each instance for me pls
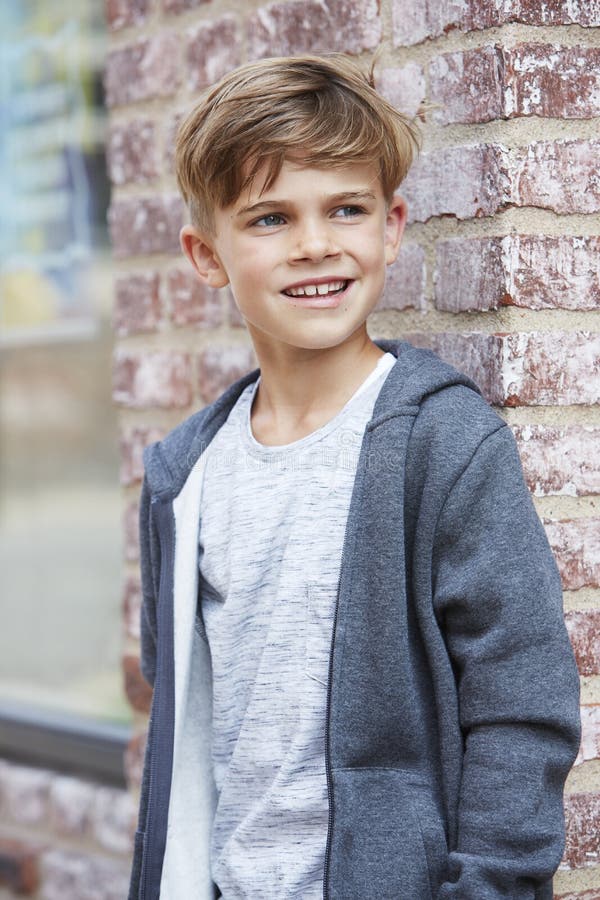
(594, 894)
(132, 152)
(132, 601)
(584, 632)
(418, 20)
(137, 303)
(18, 866)
(179, 6)
(559, 175)
(77, 876)
(132, 442)
(153, 378)
(143, 70)
(493, 82)
(145, 225)
(582, 820)
(113, 820)
(71, 801)
(590, 734)
(131, 532)
(466, 182)
(314, 26)
(552, 80)
(468, 85)
(191, 301)
(560, 460)
(405, 281)
(125, 13)
(173, 124)
(25, 794)
(576, 547)
(551, 368)
(476, 354)
(134, 760)
(137, 689)
(214, 48)
(517, 270)
(404, 87)
(220, 366)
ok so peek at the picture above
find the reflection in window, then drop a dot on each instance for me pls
(59, 504)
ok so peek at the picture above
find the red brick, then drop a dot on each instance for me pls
(131, 532)
(125, 13)
(476, 354)
(552, 80)
(551, 368)
(417, 20)
(179, 6)
(552, 272)
(584, 631)
(132, 442)
(221, 366)
(576, 547)
(83, 876)
(18, 866)
(113, 820)
(214, 48)
(468, 85)
(132, 152)
(153, 378)
(132, 601)
(582, 820)
(590, 734)
(558, 175)
(404, 87)
(71, 801)
(24, 794)
(144, 225)
(465, 182)
(139, 692)
(143, 70)
(405, 282)
(134, 760)
(137, 303)
(560, 460)
(517, 270)
(191, 301)
(314, 26)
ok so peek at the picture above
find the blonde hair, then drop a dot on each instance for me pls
(316, 110)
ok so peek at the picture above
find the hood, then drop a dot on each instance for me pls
(417, 374)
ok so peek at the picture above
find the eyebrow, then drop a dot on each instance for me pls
(356, 196)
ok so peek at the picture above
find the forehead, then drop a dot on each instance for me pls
(297, 180)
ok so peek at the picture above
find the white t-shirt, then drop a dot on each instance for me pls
(272, 524)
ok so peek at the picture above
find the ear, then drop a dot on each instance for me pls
(200, 250)
(394, 227)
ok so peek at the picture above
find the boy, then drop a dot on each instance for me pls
(363, 687)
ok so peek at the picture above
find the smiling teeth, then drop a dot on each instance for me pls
(309, 290)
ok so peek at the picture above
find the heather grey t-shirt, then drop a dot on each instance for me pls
(272, 522)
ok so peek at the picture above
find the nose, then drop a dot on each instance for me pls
(313, 241)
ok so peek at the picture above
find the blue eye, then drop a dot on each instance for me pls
(347, 212)
(270, 221)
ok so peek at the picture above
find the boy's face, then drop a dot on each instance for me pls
(305, 259)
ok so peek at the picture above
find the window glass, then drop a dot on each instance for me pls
(60, 554)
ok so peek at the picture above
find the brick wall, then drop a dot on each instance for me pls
(499, 271)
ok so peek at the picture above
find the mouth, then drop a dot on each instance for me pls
(318, 289)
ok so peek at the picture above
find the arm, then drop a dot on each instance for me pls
(498, 598)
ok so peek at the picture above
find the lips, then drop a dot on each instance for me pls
(317, 288)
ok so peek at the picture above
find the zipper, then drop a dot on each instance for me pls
(154, 844)
(327, 736)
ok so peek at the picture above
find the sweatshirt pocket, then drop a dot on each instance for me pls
(320, 608)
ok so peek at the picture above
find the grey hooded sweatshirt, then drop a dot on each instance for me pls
(453, 695)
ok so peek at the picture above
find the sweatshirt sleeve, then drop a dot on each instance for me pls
(498, 598)
(148, 610)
